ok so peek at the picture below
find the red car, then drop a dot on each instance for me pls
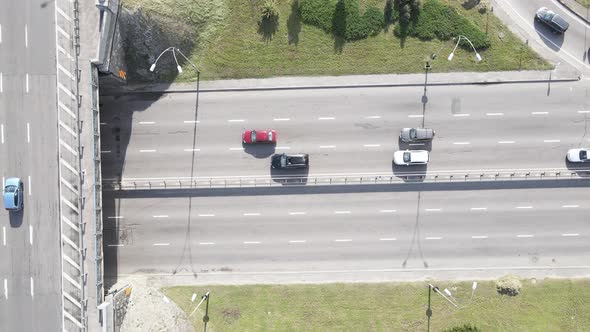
(259, 136)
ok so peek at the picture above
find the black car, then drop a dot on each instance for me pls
(554, 21)
(283, 160)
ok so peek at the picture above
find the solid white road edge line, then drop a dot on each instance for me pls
(298, 272)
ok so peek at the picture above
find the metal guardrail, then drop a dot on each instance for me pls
(71, 201)
(97, 185)
(253, 182)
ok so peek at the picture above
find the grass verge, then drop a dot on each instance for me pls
(239, 46)
(585, 3)
(548, 305)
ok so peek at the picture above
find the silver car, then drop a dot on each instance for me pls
(409, 135)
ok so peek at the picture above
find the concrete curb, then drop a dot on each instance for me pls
(570, 9)
(318, 87)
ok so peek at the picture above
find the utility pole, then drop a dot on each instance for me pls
(206, 317)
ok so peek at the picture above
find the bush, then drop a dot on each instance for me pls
(463, 328)
(269, 10)
(342, 17)
(318, 13)
(508, 285)
(374, 20)
(438, 20)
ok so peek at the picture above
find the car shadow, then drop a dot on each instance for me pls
(552, 39)
(580, 169)
(412, 173)
(16, 218)
(415, 146)
(289, 177)
(259, 150)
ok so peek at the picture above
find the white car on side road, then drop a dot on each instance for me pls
(411, 157)
(578, 155)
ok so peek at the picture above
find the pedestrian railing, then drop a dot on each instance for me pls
(348, 179)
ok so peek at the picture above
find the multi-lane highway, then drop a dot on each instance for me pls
(256, 232)
(345, 131)
(30, 278)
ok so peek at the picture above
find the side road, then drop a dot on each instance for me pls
(562, 73)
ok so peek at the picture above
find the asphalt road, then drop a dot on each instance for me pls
(354, 130)
(483, 229)
(30, 273)
(572, 46)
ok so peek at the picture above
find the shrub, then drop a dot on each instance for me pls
(348, 22)
(463, 328)
(374, 20)
(438, 20)
(508, 285)
(318, 13)
(269, 10)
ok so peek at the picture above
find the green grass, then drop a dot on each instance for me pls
(585, 3)
(549, 305)
(233, 46)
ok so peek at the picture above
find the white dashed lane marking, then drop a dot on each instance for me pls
(342, 212)
(387, 239)
(281, 119)
(206, 243)
(207, 215)
(146, 122)
(326, 118)
(343, 240)
(161, 244)
(570, 206)
(494, 114)
(524, 207)
(161, 216)
(479, 237)
(236, 120)
(551, 141)
(147, 151)
(296, 213)
(478, 208)
(251, 242)
(297, 241)
(372, 145)
(539, 113)
(373, 117)
(251, 214)
(506, 142)
(570, 234)
(461, 115)
(387, 211)
(433, 238)
(415, 116)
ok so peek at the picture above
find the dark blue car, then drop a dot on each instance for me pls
(13, 194)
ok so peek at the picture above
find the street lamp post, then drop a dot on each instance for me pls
(178, 67)
(477, 55)
(449, 298)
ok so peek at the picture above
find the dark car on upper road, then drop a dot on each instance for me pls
(552, 20)
(13, 194)
(283, 160)
(259, 136)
